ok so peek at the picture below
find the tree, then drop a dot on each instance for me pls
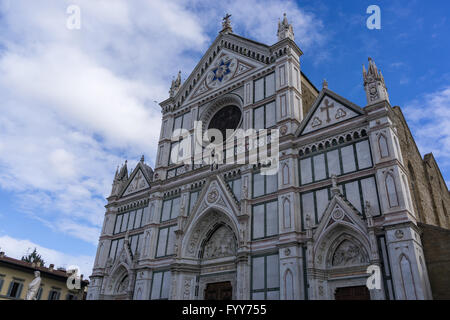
(33, 257)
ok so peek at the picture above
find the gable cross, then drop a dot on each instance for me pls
(227, 17)
(226, 24)
(327, 108)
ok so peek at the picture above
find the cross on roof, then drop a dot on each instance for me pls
(327, 108)
(226, 24)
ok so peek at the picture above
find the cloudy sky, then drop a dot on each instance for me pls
(77, 103)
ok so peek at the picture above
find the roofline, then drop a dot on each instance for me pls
(211, 46)
(192, 72)
(43, 270)
(316, 103)
(309, 81)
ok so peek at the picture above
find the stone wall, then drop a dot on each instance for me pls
(436, 244)
(438, 191)
(309, 95)
(429, 192)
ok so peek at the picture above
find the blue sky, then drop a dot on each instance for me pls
(77, 103)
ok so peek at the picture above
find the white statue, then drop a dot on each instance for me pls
(34, 286)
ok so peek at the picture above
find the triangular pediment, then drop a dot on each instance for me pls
(328, 110)
(216, 195)
(138, 182)
(339, 211)
(226, 67)
(247, 55)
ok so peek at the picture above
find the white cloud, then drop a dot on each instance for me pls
(75, 103)
(16, 248)
(429, 120)
(259, 20)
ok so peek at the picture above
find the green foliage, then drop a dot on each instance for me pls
(33, 257)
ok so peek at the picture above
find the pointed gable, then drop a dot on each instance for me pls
(341, 212)
(215, 194)
(213, 70)
(224, 68)
(138, 183)
(329, 109)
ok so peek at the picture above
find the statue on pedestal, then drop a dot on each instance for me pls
(34, 286)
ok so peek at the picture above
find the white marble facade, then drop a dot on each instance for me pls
(338, 204)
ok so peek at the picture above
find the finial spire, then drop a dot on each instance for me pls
(226, 24)
(285, 30)
(374, 84)
(325, 84)
(176, 84)
(142, 159)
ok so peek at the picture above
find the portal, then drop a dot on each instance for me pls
(219, 291)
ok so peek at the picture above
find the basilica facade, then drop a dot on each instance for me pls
(345, 203)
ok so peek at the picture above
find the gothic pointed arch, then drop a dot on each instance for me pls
(285, 172)
(347, 250)
(286, 213)
(204, 228)
(391, 190)
(340, 226)
(383, 146)
(220, 242)
(288, 285)
(122, 285)
(407, 277)
(215, 196)
(119, 279)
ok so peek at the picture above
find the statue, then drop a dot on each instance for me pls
(34, 286)
(334, 187)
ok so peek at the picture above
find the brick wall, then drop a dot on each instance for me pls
(429, 192)
(436, 244)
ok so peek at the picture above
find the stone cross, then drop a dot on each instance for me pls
(227, 17)
(226, 24)
(327, 108)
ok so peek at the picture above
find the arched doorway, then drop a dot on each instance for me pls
(119, 284)
(341, 259)
(218, 253)
(212, 241)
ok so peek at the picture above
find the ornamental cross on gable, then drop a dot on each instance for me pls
(327, 108)
(226, 24)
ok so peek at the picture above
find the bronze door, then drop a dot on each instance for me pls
(352, 293)
(218, 291)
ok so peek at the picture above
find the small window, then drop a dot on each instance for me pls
(160, 285)
(235, 186)
(15, 289)
(166, 239)
(265, 220)
(170, 209)
(265, 277)
(264, 87)
(264, 184)
(193, 196)
(264, 116)
(124, 222)
(39, 293)
(54, 294)
(2, 280)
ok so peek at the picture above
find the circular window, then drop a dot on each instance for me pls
(228, 117)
